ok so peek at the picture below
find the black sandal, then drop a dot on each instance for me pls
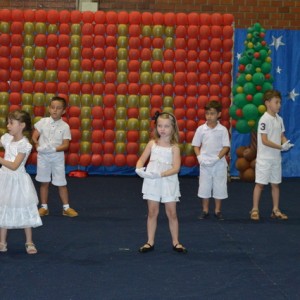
(146, 248)
(179, 248)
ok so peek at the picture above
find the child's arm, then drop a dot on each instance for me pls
(143, 158)
(268, 143)
(283, 138)
(223, 152)
(197, 150)
(35, 138)
(13, 165)
(64, 146)
(176, 163)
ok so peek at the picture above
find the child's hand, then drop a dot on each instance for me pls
(286, 146)
(199, 159)
(46, 149)
(210, 162)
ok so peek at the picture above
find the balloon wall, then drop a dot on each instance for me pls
(115, 69)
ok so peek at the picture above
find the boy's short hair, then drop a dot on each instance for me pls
(268, 95)
(214, 104)
(60, 99)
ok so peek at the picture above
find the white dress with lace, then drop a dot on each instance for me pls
(18, 198)
(165, 188)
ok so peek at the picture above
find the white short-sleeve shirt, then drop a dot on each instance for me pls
(52, 132)
(211, 140)
(273, 127)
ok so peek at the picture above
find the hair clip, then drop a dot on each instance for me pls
(156, 115)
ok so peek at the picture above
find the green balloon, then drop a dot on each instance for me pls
(256, 62)
(258, 78)
(249, 53)
(250, 112)
(241, 80)
(244, 60)
(240, 100)
(249, 88)
(257, 46)
(263, 54)
(258, 99)
(249, 69)
(242, 126)
(266, 67)
(232, 112)
(267, 86)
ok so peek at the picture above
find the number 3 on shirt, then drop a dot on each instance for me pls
(262, 126)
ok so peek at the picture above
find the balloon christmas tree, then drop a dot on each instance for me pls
(253, 79)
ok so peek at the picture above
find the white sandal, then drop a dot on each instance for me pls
(3, 247)
(30, 248)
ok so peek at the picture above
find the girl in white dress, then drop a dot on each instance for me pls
(18, 201)
(161, 182)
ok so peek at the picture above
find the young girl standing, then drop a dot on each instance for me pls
(161, 182)
(18, 201)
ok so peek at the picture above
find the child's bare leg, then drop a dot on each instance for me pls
(44, 191)
(153, 210)
(205, 205)
(170, 208)
(218, 205)
(256, 195)
(64, 195)
(275, 196)
(28, 235)
(3, 235)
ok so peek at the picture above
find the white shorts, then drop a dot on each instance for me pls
(160, 199)
(213, 182)
(49, 166)
(268, 171)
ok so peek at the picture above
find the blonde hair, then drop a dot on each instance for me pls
(175, 132)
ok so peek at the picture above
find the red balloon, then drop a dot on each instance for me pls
(147, 18)
(29, 15)
(64, 16)
(131, 160)
(74, 111)
(120, 160)
(109, 135)
(181, 19)
(158, 18)
(123, 17)
(111, 17)
(74, 122)
(76, 16)
(217, 19)
(100, 17)
(41, 15)
(170, 19)
(96, 160)
(88, 17)
(180, 31)
(16, 40)
(53, 16)
(193, 18)
(17, 15)
(108, 147)
(97, 136)
(85, 159)
(73, 159)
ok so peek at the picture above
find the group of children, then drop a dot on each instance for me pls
(18, 203)
(158, 165)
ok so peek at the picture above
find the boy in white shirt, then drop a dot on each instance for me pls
(52, 137)
(270, 142)
(211, 144)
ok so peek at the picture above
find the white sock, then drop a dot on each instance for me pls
(44, 206)
(66, 206)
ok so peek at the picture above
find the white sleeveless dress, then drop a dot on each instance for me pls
(18, 198)
(165, 188)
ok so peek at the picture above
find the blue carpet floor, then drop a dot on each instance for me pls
(94, 256)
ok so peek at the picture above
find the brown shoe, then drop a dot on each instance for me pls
(70, 212)
(43, 212)
(277, 214)
(254, 215)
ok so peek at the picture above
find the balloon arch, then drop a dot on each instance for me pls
(115, 69)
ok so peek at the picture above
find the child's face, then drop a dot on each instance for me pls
(212, 116)
(15, 127)
(164, 127)
(273, 105)
(56, 110)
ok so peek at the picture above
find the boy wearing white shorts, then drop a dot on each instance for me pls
(52, 137)
(270, 142)
(211, 144)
